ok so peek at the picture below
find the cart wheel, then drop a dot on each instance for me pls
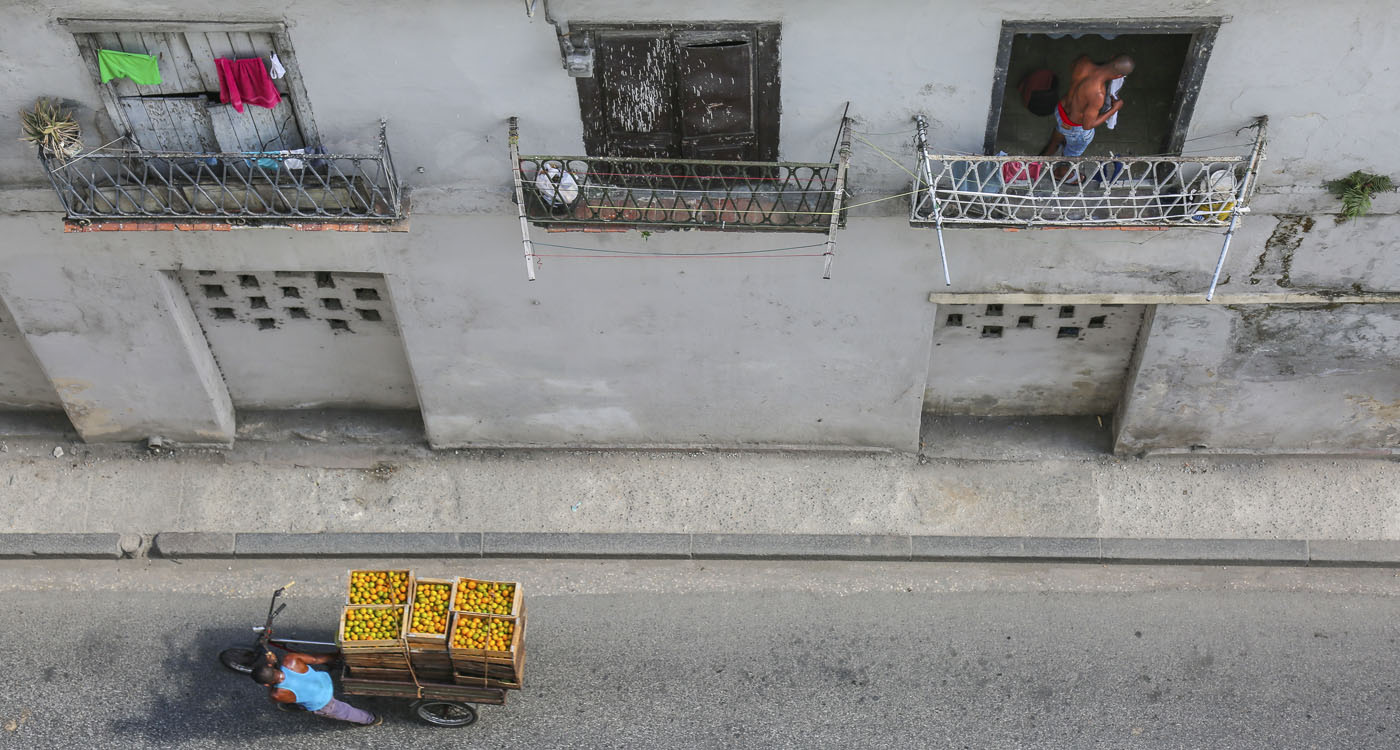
(445, 713)
(239, 660)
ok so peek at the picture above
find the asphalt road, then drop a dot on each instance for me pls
(793, 655)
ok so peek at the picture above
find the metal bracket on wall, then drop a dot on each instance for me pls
(1256, 155)
(840, 192)
(926, 174)
(520, 199)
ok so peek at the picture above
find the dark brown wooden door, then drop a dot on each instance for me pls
(637, 80)
(715, 95)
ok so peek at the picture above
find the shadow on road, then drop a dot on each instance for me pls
(196, 698)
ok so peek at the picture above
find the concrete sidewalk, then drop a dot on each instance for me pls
(302, 486)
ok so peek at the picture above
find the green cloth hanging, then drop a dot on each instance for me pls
(141, 69)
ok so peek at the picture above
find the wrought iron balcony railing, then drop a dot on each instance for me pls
(954, 191)
(680, 193)
(610, 191)
(256, 186)
(1110, 191)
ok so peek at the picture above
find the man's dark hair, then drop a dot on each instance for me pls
(1122, 64)
(266, 674)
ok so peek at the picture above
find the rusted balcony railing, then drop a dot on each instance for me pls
(257, 186)
(1108, 191)
(680, 193)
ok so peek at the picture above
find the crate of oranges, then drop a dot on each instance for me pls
(487, 650)
(487, 597)
(379, 587)
(428, 616)
(372, 628)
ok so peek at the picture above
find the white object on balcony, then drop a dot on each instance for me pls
(557, 187)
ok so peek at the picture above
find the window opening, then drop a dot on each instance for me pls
(680, 91)
(183, 113)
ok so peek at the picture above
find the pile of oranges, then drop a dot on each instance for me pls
(379, 587)
(484, 596)
(430, 608)
(372, 624)
(483, 632)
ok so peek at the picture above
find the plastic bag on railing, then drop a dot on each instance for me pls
(1216, 201)
(290, 162)
(556, 186)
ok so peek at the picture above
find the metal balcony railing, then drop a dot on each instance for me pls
(609, 191)
(681, 193)
(1109, 191)
(952, 191)
(114, 183)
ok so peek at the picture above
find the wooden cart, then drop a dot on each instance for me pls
(436, 703)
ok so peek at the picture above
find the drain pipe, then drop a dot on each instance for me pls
(577, 61)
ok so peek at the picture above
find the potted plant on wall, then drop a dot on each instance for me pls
(52, 129)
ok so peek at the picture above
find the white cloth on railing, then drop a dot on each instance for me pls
(1114, 86)
(557, 187)
(276, 69)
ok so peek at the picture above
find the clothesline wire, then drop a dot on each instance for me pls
(893, 161)
(588, 173)
(717, 256)
(685, 254)
(755, 210)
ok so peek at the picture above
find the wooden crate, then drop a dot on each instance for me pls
(431, 639)
(381, 646)
(517, 600)
(397, 570)
(394, 660)
(353, 684)
(500, 666)
(431, 662)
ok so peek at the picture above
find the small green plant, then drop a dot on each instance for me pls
(52, 129)
(1356, 191)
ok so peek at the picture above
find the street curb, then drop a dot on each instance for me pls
(799, 546)
(190, 544)
(551, 544)
(1342, 552)
(1206, 551)
(352, 544)
(72, 546)
(1006, 548)
(707, 546)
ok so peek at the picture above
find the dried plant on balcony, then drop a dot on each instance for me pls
(52, 129)
(1356, 191)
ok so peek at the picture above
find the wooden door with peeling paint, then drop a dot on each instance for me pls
(690, 92)
(183, 112)
(715, 82)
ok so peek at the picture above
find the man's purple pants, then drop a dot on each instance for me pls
(344, 712)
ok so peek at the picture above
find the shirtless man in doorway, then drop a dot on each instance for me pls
(1083, 107)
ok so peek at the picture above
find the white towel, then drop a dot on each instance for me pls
(277, 70)
(1114, 86)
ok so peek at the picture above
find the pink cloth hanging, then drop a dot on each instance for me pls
(246, 80)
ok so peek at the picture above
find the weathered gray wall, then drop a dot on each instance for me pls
(1269, 379)
(273, 359)
(23, 384)
(674, 352)
(1030, 370)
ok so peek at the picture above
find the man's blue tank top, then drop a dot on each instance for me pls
(313, 689)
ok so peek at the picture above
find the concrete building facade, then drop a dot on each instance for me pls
(144, 326)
